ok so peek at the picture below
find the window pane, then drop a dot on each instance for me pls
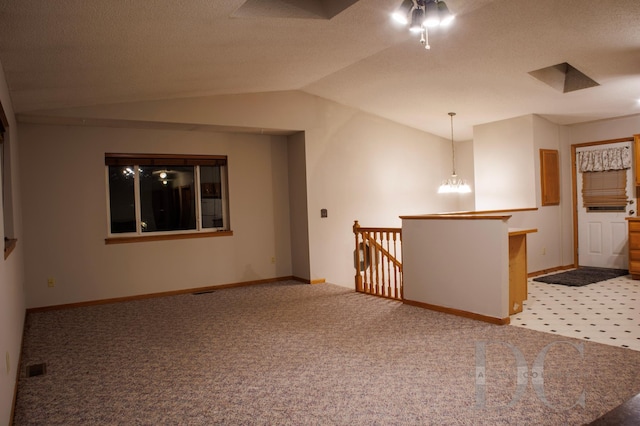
(122, 199)
(167, 198)
(210, 191)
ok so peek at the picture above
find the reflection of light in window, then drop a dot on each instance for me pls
(163, 175)
(128, 171)
(164, 182)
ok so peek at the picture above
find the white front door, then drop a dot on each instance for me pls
(602, 236)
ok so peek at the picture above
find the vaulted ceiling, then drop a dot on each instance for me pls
(67, 53)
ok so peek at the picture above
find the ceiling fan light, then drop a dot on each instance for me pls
(431, 15)
(445, 16)
(401, 15)
(417, 18)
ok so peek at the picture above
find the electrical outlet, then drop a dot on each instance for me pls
(544, 251)
(51, 282)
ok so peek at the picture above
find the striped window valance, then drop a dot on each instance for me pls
(604, 159)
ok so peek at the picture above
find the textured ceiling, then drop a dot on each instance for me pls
(66, 53)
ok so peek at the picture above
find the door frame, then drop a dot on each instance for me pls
(574, 187)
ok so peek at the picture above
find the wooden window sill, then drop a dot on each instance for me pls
(9, 245)
(146, 238)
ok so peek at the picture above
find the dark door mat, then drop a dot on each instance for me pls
(582, 276)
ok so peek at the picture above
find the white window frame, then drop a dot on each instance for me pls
(195, 161)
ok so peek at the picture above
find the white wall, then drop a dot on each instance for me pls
(465, 170)
(358, 166)
(65, 215)
(522, 138)
(615, 128)
(503, 164)
(298, 207)
(545, 249)
(457, 264)
(12, 303)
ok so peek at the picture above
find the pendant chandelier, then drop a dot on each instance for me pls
(454, 184)
(419, 15)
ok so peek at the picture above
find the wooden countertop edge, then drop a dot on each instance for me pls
(521, 231)
(456, 217)
(526, 209)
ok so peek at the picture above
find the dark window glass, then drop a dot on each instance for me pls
(167, 198)
(211, 194)
(122, 199)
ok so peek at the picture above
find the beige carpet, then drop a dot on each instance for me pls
(291, 353)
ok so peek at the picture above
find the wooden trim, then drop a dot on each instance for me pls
(456, 217)
(459, 313)
(363, 229)
(147, 238)
(9, 245)
(606, 142)
(574, 201)
(187, 159)
(160, 294)
(548, 271)
(308, 281)
(549, 177)
(521, 231)
(527, 209)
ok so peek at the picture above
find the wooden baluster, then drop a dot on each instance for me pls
(374, 263)
(400, 268)
(378, 261)
(370, 283)
(383, 282)
(387, 242)
(379, 265)
(358, 277)
(395, 267)
(367, 266)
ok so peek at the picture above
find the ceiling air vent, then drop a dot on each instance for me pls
(564, 78)
(300, 9)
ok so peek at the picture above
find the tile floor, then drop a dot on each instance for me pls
(605, 312)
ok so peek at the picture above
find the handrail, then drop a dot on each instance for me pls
(379, 247)
(378, 261)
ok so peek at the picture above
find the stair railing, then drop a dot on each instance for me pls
(378, 261)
